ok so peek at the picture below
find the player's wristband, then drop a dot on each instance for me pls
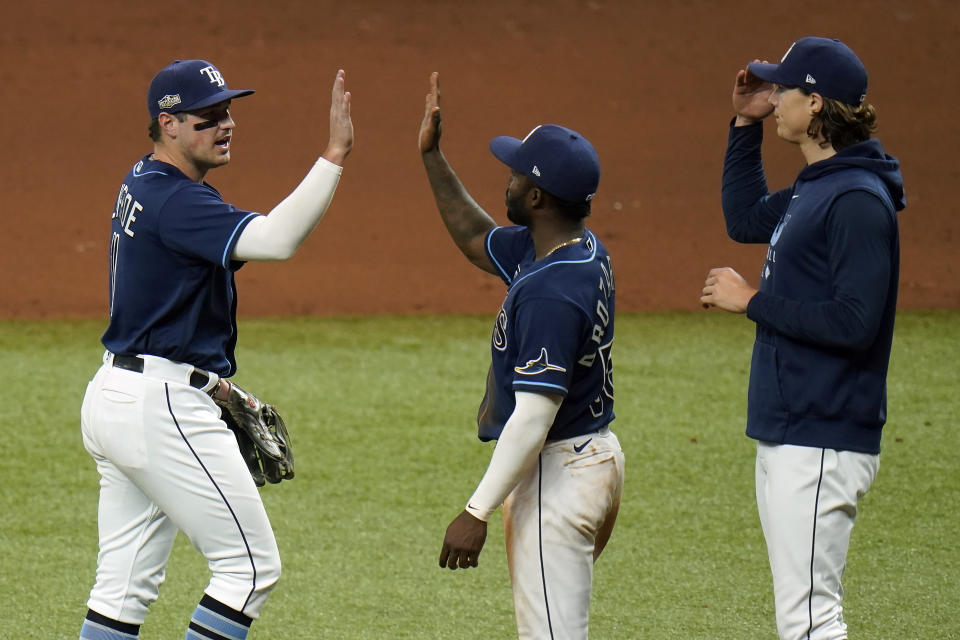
(479, 513)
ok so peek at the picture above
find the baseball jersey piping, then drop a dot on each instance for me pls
(510, 281)
(225, 259)
(590, 258)
(246, 545)
(540, 384)
(137, 174)
(496, 264)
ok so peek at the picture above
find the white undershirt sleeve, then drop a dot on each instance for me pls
(517, 449)
(278, 235)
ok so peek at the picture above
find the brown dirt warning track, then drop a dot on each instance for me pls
(647, 82)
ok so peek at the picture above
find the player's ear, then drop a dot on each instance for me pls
(816, 103)
(535, 197)
(168, 124)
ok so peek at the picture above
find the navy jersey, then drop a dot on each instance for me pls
(172, 289)
(553, 333)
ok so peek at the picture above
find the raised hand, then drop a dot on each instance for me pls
(341, 125)
(751, 97)
(429, 138)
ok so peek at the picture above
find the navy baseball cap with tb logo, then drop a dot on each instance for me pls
(187, 85)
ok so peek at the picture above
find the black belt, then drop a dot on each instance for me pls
(198, 379)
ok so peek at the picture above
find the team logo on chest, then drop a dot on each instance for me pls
(538, 366)
(779, 230)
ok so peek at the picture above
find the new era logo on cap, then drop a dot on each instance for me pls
(187, 85)
(555, 158)
(826, 66)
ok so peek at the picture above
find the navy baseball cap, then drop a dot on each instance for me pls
(187, 85)
(557, 159)
(819, 65)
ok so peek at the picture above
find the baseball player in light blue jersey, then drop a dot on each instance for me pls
(167, 461)
(557, 469)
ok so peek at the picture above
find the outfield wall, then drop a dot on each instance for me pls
(648, 83)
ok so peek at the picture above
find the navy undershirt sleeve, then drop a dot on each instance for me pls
(750, 210)
(860, 236)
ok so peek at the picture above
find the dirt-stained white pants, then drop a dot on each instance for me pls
(167, 462)
(807, 500)
(556, 522)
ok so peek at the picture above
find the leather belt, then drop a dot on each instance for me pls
(198, 379)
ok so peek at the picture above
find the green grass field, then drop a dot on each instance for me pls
(381, 412)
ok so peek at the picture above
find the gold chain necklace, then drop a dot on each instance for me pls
(564, 244)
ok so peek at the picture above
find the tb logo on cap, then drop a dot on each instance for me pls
(214, 75)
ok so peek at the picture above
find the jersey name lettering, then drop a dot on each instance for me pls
(603, 314)
(126, 210)
(601, 323)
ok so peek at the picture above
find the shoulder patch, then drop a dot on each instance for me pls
(540, 365)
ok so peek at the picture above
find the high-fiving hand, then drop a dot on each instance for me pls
(429, 138)
(341, 125)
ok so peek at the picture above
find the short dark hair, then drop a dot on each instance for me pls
(154, 127)
(574, 211)
(841, 124)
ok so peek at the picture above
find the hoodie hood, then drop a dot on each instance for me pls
(868, 155)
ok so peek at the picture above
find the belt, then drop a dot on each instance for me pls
(198, 379)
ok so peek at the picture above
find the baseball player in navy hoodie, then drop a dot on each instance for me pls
(824, 312)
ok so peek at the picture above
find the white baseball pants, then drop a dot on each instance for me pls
(807, 500)
(167, 462)
(556, 522)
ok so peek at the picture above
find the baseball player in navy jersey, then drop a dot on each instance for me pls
(167, 461)
(824, 313)
(556, 468)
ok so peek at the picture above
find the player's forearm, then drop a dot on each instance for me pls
(464, 219)
(278, 235)
(516, 451)
(749, 215)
